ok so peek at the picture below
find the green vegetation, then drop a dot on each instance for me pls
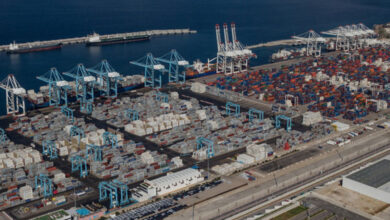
(53, 216)
(291, 213)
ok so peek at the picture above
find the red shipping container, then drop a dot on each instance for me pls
(50, 169)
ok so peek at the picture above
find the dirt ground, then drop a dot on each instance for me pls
(356, 200)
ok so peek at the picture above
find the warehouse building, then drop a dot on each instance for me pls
(166, 184)
(174, 181)
(372, 180)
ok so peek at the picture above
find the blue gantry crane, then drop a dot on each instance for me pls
(85, 84)
(49, 149)
(43, 182)
(175, 61)
(79, 163)
(236, 107)
(162, 97)
(132, 114)
(68, 112)
(107, 78)
(116, 191)
(58, 87)
(283, 117)
(76, 131)
(94, 150)
(202, 142)
(110, 139)
(3, 136)
(152, 78)
(255, 113)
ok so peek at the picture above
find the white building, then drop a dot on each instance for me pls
(257, 151)
(245, 159)
(143, 192)
(166, 184)
(174, 181)
(310, 118)
(339, 126)
(372, 180)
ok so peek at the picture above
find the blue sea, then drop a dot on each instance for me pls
(257, 21)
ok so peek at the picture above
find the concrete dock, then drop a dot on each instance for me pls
(80, 40)
(285, 42)
(288, 42)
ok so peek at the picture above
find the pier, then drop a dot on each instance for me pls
(275, 43)
(287, 42)
(80, 40)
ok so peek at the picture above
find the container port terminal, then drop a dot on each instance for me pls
(214, 140)
(86, 39)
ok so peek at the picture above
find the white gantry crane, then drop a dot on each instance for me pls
(232, 57)
(349, 37)
(15, 96)
(313, 42)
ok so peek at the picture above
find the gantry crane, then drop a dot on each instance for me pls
(236, 107)
(255, 113)
(3, 136)
(76, 131)
(58, 87)
(313, 42)
(79, 163)
(15, 96)
(110, 139)
(49, 149)
(349, 37)
(85, 83)
(132, 114)
(243, 55)
(283, 117)
(152, 78)
(116, 191)
(232, 57)
(107, 78)
(201, 143)
(94, 150)
(175, 61)
(43, 182)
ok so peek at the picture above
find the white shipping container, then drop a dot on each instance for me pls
(245, 159)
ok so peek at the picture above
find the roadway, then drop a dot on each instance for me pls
(281, 178)
(325, 176)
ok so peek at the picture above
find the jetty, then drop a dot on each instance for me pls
(81, 40)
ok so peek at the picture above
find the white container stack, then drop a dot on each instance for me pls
(26, 192)
(257, 151)
(310, 118)
(245, 159)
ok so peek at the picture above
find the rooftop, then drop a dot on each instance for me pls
(173, 177)
(375, 175)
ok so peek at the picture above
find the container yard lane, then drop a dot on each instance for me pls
(60, 163)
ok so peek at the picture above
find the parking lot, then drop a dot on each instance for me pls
(149, 210)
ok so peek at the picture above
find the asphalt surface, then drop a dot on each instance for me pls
(288, 159)
(339, 211)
